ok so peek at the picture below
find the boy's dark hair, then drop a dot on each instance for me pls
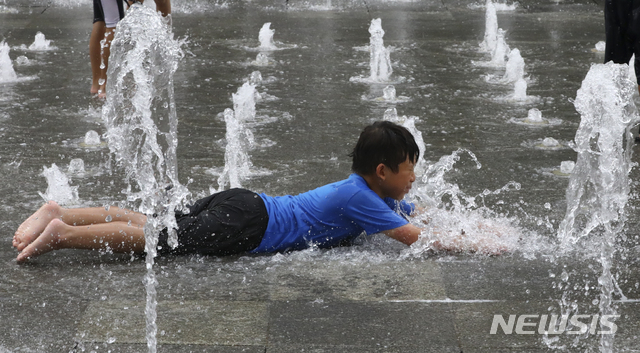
(383, 142)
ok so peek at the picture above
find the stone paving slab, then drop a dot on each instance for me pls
(474, 323)
(50, 324)
(514, 278)
(359, 282)
(183, 323)
(362, 324)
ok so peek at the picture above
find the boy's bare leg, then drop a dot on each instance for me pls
(30, 229)
(97, 34)
(164, 6)
(97, 215)
(116, 236)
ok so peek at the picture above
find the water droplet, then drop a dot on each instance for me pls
(108, 219)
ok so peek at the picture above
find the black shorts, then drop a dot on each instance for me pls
(622, 28)
(226, 223)
(98, 11)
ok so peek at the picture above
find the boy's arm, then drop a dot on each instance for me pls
(407, 234)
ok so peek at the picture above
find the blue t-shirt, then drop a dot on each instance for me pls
(328, 216)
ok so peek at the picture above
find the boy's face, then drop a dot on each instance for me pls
(396, 185)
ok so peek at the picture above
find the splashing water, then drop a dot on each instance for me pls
(76, 166)
(462, 225)
(92, 138)
(501, 50)
(379, 59)
(266, 37)
(632, 68)
(7, 73)
(237, 165)
(41, 43)
(602, 142)
(491, 29)
(534, 116)
(58, 188)
(550, 143)
(255, 78)
(388, 96)
(598, 188)
(389, 93)
(23, 60)
(380, 68)
(261, 60)
(141, 122)
(566, 168)
(514, 68)
(520, 90)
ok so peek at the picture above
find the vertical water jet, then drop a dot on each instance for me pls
(491, 28)
(379, 59)
(514, 69)
(237, 165)
(599, 184)
(7, 73)
(140, 116)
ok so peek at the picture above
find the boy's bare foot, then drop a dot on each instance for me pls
(30, 229)
(48, 240)
(94, 88)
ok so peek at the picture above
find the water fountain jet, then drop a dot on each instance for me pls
(265, 36)
(261, 60)
(237, 165)
(520, 90)
(76, 166)
(491, 29)
(41, 43)
(549, 143)
(92, 138)
(380, 61)
(599, 185)
(7, 73)
(140, 116)
(514, 69)
(500, 52)
(566, 168)
(58, 188)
